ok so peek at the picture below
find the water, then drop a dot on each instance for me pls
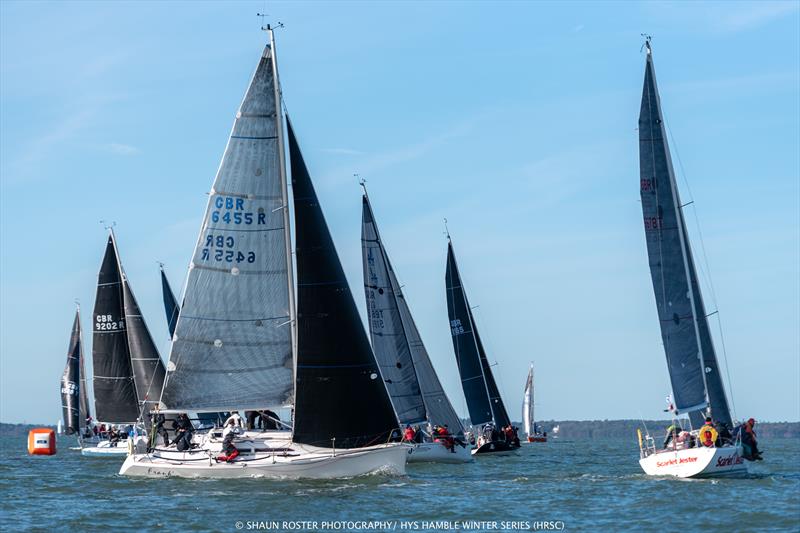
(588, 485)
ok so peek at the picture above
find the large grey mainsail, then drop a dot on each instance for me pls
(693, 369)
(233, 341)
(379, 275)
(386, 327)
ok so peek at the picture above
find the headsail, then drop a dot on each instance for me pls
(171, 307)
(232, 345)
(438, 408)
(114, 388)
(71, 381)
(341, 398)
(148, 369)
(692, 362)
(386, 328)
(527, 404)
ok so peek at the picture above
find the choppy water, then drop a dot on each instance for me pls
(588, 486)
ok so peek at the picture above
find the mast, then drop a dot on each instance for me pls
(285, 198)
(675, 284)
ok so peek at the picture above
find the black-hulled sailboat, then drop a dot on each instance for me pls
(128, 372)
(240, 344)
(697, 388)
(406, 368)
(74, 397)
(487, 412)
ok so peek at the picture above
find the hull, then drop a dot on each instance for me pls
(434, 452)
(494, 447)
(536, 438)
(105, 448)
(696, 462)
(291, 461)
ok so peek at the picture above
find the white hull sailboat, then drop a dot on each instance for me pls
(726, 461)
(436, 452)
(697, 386)
(106, 448)
(289, 461)
(240, 344)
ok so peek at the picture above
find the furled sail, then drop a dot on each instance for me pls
(693, 369)
(527, 404)
(465, 344)
(148, 369)
(114, 388)
(341, 399)
(386, 328)
(232, 346)
(171, 307)
(71, 381)
(379, 275)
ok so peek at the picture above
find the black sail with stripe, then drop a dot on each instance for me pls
(171, 307)
(114, 388)
(341, 399)
(148, 369)
(682, 316)
(71, 381)
(465, 345)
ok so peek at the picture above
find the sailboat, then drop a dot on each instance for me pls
(412, 383)
(530, 426)
(74, 397)
(486, 409)
(128, 372)
(239, 342)
(697, 385)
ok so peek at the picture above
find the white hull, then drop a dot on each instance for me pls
(435, 452)
(105, 448)
(696, 462)
(292, 461)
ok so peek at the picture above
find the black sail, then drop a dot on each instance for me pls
(684, 326)
(171, 307)
(465, 344)
(148, 369)
(498, 407)
(339, 391)
(114, 390)
(83, 392)
(70, 381)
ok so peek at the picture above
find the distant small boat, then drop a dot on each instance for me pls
(693, 369)
(532, 430)
(486, 409)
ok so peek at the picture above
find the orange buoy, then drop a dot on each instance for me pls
(42, 441)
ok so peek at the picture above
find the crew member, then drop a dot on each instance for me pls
(229, 451)
(183, 432)
(237, 419)
(409, 434)
(672, 433)
(749, 442)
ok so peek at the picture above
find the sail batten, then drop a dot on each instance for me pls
(224, 352)
(341, 399)
(691, 359)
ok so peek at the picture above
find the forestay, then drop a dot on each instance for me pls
(684, 326)
(232, 346)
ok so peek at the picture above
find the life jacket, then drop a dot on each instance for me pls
(228, 457)
(708, 436)
(409, 435)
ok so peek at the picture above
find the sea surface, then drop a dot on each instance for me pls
(562, 485)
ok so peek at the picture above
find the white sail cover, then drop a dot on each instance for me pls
(232, 346)
(527, 404)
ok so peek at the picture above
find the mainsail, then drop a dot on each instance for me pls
(480, 390)
(386, 327)
(341, 398)
(692, 362)
(114, 387)
(527, 404)
(148, 369)
(232, 345)
(171, 307)
(71, 381)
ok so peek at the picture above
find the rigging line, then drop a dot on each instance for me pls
(706, 271)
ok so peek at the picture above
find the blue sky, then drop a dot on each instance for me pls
(516, 121)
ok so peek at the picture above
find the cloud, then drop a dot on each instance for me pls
(121, 149)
